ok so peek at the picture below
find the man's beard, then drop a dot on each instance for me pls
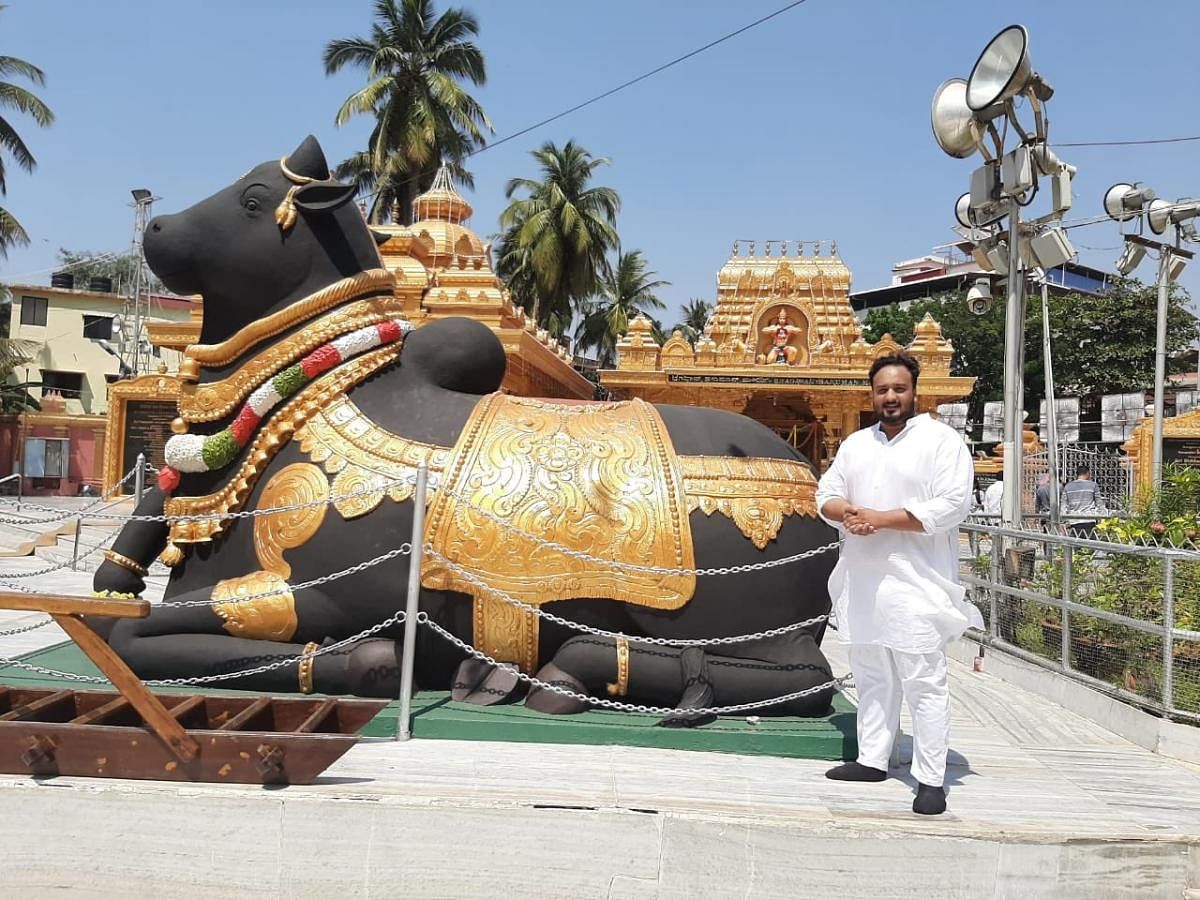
(898, 416)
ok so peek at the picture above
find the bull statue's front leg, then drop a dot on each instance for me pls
(136, 547)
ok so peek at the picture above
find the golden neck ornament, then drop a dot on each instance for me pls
(369, 281)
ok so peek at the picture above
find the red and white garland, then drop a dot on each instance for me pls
(207, 453)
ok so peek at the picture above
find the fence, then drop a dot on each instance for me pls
(411, 615)
(1122, 618)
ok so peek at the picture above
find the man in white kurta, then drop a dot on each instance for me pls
(898, 491)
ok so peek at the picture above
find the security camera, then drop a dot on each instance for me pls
(979, 297)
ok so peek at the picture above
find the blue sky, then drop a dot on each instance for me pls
(815, 125)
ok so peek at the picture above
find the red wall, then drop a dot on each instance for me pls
(84, 466)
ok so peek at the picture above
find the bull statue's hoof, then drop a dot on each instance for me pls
(373, 669)
(697, 692)
(548, 701)
(483, 684)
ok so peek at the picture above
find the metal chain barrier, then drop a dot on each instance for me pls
(403, 550)
(634, 567)
(579, 626)
(841, 681)
(395, 619)
(380, 488)
(60, 514)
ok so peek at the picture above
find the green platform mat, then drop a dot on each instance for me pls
(436, 716)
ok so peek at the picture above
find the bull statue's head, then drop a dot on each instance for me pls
(280, 232)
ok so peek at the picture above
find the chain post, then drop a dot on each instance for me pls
(1168, 644)
(139, 478)
(75, 548)
(993, 596)
(412, 603)
(1068, 589)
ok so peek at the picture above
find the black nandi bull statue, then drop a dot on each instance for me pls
(307, 387)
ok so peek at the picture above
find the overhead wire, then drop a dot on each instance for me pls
(608, 93)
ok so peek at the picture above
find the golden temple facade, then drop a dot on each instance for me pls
(782, 346)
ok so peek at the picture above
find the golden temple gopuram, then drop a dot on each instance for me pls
(782, 346)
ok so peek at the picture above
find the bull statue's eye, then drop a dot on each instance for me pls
(251, 204)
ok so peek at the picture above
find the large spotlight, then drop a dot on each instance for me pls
(1125, 201)
(1002, 70)
(955, 127)
(1052, 248)
(1131, 256)
(1158, 215)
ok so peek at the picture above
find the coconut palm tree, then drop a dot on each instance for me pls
(415, 62)
(15, 97)
(559, 233)
(695, 316)
(626, 290)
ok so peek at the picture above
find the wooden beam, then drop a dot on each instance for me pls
(100, 713)
(318, 715)
(64, 604)
(155, 715)
(34, 706)
(251, 710)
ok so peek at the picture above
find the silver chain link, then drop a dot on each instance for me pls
(381, 488)
(60, 515)
(395, 619)
(403, 550)
(634, 567)
(633, 639)
(423, 619)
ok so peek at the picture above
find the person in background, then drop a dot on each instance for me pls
(1081, 498)
(993, 497)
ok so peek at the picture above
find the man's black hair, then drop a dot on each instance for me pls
(896, 359)
(1082, 470)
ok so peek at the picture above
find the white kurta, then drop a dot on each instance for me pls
(900, 589)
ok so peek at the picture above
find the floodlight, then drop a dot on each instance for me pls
(962, 211)
(995, 252)
(140, 195)
(955, 127)
(1158, 215)
(1004, 70)
(1131, 256)
(1052, 248)
(1125, 201)
(1175, 266)
(979, 297)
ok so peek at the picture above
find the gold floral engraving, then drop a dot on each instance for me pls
(266, 444)
(755, 492)
(298, 485)
(377, 280)
(600, 479)
(269, 618)
(207, 402)
(361, 455)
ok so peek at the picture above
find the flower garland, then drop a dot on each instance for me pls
(206, 453)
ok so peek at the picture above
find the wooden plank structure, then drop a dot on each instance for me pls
(133, 733)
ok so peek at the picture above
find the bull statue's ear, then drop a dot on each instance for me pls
(308, 160)
(322, 197)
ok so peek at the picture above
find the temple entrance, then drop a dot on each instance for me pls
(793, 420)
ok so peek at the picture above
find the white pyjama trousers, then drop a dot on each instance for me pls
(882, 677)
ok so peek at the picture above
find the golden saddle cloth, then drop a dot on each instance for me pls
(601, 479)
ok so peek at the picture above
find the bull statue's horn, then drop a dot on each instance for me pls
(308, 160)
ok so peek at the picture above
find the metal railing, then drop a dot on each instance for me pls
(1122, 618)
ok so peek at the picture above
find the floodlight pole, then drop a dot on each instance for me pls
(1051, 413)
(1160, 364)
(1014, 380)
